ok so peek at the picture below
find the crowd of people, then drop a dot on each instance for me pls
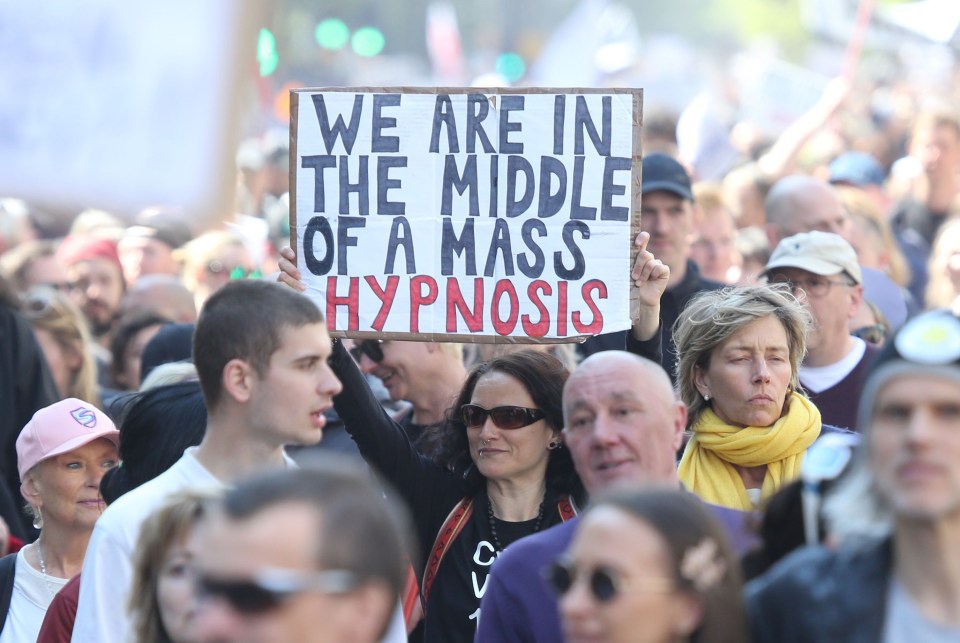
(166, 391)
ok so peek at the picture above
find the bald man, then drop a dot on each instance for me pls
(623, 426)
(801, 203)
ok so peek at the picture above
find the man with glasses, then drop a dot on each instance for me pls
(427, 375)
(823, 272)
(895, 574)
(311, 555)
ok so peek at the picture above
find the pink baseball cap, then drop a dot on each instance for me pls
(61, 427)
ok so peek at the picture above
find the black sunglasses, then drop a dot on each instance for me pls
(604, 584)
(372, 348)
(505, 417)
(270, 588)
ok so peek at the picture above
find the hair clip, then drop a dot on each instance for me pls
(702, 565)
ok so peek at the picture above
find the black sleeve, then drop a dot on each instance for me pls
(652, 349)
(26, 386)
(429, 490)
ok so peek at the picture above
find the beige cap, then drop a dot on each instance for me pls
(822, 253)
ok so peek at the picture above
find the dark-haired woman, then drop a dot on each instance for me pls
(650, 566)
(501, 473)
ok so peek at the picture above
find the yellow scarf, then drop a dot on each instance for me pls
(706, 467)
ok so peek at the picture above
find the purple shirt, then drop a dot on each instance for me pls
(519, 607)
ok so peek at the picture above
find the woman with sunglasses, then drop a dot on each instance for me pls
(649, 566)
(499, 473)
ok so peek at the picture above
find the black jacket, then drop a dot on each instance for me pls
(817, 594)
(26, 386)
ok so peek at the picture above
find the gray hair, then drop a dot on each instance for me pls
(711, 317)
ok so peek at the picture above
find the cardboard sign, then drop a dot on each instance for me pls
(467, 214)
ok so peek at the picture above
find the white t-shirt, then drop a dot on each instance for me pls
(107, 576)
(906, 624)
(820, 378)
(102, 613)
(32, 593)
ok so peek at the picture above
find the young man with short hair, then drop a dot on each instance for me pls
(261, 354)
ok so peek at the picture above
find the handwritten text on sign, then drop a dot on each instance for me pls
(466, 214)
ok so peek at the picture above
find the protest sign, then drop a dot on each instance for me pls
(467, 214)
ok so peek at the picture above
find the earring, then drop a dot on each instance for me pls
(37, 519)
(706, 397)
(554, 444)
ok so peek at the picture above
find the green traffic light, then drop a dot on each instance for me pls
(367, 41)
(511, 66)
(267, 53)
(332, 33)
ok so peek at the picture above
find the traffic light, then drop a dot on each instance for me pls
(332, 33)
(367, 41)
(267, 52)
(511, 66)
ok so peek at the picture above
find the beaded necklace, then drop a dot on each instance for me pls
(493, 524)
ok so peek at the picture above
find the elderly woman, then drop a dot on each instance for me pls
(740, 351)
(651, 566)
(62, 454)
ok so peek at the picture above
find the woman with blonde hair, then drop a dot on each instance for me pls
(213, 259)
(163, 601)
(64, 336)
(943, 284)
(739, 357)
(63, 453)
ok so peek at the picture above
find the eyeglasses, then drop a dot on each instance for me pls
(270, 588)
(605, 584)
(874, 333)
(372, 348)
(814, 286)
(505, 417)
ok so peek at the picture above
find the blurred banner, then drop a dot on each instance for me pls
(597, 39)
(934, 21)
(122, 105)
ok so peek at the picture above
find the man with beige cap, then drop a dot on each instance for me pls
(822, 269)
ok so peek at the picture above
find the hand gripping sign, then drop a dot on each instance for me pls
(467, 214)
